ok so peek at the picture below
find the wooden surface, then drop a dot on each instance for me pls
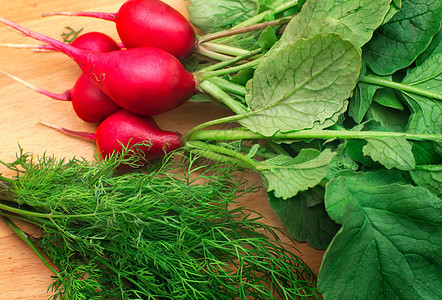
(22, 275)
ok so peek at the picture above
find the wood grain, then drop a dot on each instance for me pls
(22, 275)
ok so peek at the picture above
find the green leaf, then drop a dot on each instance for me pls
(426, 153)
(303, 85)
(355, 20)
(430, 177)
(394, 8)
(361, 100)
(305, 223)
(392, 152)
(267, 38)
(212, 15)
(341, 161)
(354, 150)
(390, 119)
(388, 97)
(243, 76)
(426, 114)
(434, 48)
(396, 45)
(427, 76)
(286, 176)
(390, 241)
(269, 4)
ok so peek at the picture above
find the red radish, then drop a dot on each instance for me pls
(124, 128)
(149, 23)
(146, 81)
(95, 41)
(88, 101)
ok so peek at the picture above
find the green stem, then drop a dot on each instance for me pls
(259, 153)
(34, 221)
(206, 75)
(216, 92)
(5, 179)
(240, 30)
(22, 235)
(233, 134)
(30, 214)
(259, 18)
(226, 154)
(229, 86)
(212, 54)
(188, 134)
(229, 62)
(277, 148)
(229, 50)
(399, 86)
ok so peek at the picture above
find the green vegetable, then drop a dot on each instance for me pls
(391, 239)
(163, 234)
(302, 86)
(306, 221)
(211, 16)
(396, 44)
(346, 103)
(354, 20)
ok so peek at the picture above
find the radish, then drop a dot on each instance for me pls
(146, 81)
(95, 41)
(88, 101)
(149, 23)
(124, 128)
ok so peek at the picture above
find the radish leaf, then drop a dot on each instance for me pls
(302, 85)
(212, 15)
(361, 100)
(390, 241)
(396, 44)
(355, 20)
(429, 176)
(304, 222)
(393, 152)
(286, 176)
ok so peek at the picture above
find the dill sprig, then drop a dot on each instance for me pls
(165, 233)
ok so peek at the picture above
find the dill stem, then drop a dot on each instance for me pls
(31, 214)
(24, 237)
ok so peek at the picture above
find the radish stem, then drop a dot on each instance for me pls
(79, 134)
(243, 134)
(243, 29)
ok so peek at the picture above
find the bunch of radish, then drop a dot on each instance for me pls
(123, 88)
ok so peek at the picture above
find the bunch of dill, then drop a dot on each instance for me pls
(168, 233)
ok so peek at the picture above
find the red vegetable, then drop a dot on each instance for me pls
(88, 101)
(149, 23)
(146, 81)
(96, 41)
(124, 128)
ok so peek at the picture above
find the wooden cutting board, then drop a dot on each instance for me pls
(22, 275)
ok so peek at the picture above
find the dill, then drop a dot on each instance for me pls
(168, 233)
